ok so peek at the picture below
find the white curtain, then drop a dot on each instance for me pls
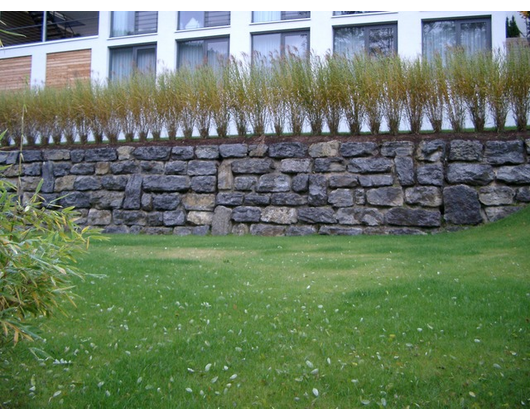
(266, 16)
(349, 41)
(265, 45)
(122, 23)
(121, 63)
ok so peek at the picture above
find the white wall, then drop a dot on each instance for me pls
(320, 25)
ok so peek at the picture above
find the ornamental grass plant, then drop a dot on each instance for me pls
(282, 94)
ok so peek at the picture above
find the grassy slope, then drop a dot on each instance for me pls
(418, 321)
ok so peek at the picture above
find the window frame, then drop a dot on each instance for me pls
(367, 28)
(204, 20)
(135, 49)
(205, 41)
(284, 16)
(283, 35)
(459, 21)
(134, 31)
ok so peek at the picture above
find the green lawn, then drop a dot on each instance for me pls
(436, 321)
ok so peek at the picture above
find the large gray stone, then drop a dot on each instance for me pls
(200, 218)
(375, 180)
(230, 199)
(174, 218)
(152, 152)
(505, 152)
(288, 199)
(114, 182)
(84, 183)
(245, 183)
(330, 164)
(225, 178)
(324, 149)
(279, 215)
(496, 196)
(519, 174)
(176, 167)
(461, 205)
(358, 149)
(133, 193)
(246, 214)
(233, 150)
(466, 150)
(203, 184)
(385, 196)
(262, 229)
(431, 150)
(469, 173)
(202, 167)
(101, 155)
(405, 170)
(295, 165)
(339, 230)
(370, 165)
(207, 152)
(166, 183)
(182, 153)
(221, 221)
(345, 180)
(252, 166)
(199, 202)
(274, 183)
(397, 148)
(165, 202)
(318, 193)
(400, 216)
(317, 215)
(430, 174)
(288, 150)
(256, 199)
(426, 196)
(341, 197)
(99, 217)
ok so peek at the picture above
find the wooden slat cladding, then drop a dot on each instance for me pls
(15, 73)
(65, 67)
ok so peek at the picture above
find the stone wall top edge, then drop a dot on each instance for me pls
(271, 139)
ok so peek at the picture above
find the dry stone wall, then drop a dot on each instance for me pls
(284, 188)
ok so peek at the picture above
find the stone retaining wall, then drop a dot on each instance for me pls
(284, 188)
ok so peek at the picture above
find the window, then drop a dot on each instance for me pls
(212, 51)
(349, 13)
(124, 61)
(28, 26)
(194, 20)
(275, 16)
(296, 42)
(372, 39)
(440, 36)
(133, 23)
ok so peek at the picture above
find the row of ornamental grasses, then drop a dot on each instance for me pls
(281, 95)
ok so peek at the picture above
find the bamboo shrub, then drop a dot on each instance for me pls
(81, 99)
(497, 93)
(221, 101)
(473, 85)
(256, 104)
(415, 93)
(436, 91)
(351, 94)
(372, 91)
(277, 97)
(309, 82)
(453, 93)
(518, 74)
(333, 86)
(290, 65)
(187, 95)
(237, 95)
(205, 88)
(170, 102)
(393, 90)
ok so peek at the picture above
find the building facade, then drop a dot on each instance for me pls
(52, 48)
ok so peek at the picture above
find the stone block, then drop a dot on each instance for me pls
(230, 199)
(279, 215)
(295, 165)
(166, 183)
(221, 221)
(430, 174)
(288, 150)
(182, 153)
(461, 205)
(318, 190)
(246, 214)
(101, 154)
(518, 175)
(400, 216)
(385, 196)
(317, 215)
(505, 152)
(496, 195)
(252, 166)
(202, 167)
(200, 218)
(274, 183)
(465, 150)
(199, 202)
(405, 170)
(469, 173)
(370, 165)
(152, 152)
(358, 149)
(207, 152)
(262, 229)
(330, 164)
(397, 148)
(233, 150)
(324, 149)
(426, 196)
(341, 197)
(203, 184)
